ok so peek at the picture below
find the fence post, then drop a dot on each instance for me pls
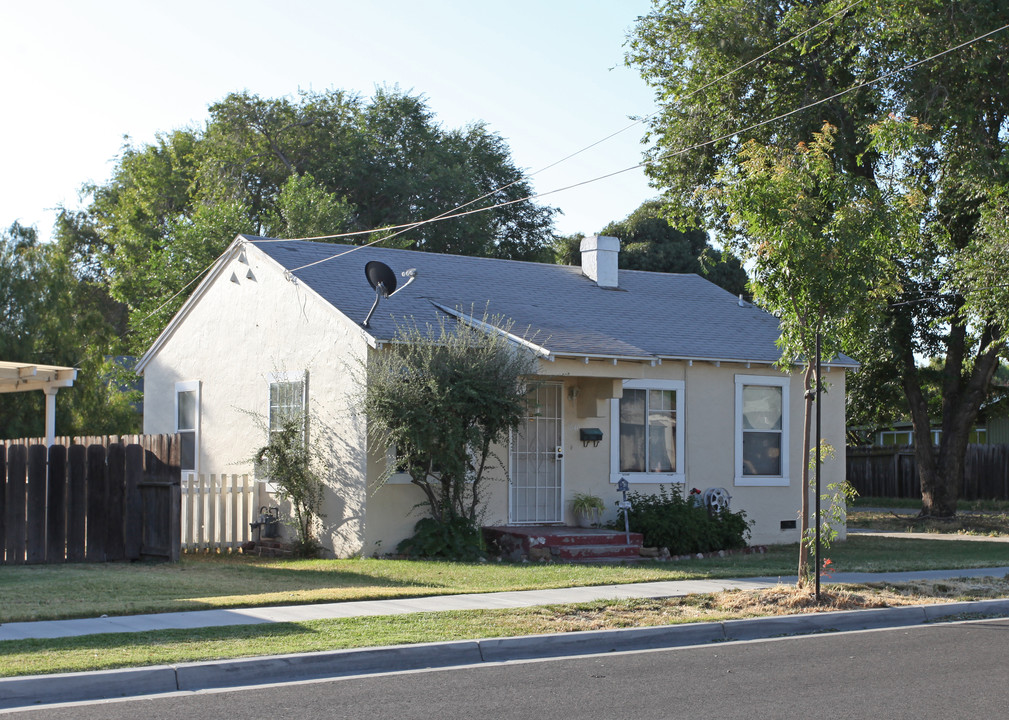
(133, 522)
(97, 491)
(56, 517)
(17, 468)
(77, 508)
(115, 461)
(3, 501)
(213, 508)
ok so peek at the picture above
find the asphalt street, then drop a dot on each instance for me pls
(955, 670)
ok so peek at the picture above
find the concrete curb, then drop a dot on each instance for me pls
(18, 692)
(77, 687)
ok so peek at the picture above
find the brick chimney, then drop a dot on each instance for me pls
(599, 259)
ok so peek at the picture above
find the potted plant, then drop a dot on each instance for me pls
(588, 509)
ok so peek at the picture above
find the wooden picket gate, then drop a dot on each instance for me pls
(217, 510)
(91, 499)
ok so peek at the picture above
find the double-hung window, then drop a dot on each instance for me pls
(646, 432)
(288, 401)
(761, 430)
(187, 424)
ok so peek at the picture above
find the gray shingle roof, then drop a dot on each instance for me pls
(556, 306)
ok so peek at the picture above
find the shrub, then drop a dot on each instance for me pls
(669, 520)
(288, 460)
(457, 538)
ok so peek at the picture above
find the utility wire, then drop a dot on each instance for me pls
(671, 153)
(447, 216)
(594, 144)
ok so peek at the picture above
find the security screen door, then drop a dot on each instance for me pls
(536, 479)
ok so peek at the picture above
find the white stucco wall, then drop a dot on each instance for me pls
(248, 324)
(252, 322)
(709, 438)
(709, 419)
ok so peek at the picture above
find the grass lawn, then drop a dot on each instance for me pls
(98, 652)
(204, 581)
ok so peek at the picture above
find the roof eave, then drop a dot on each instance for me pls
(215, 271)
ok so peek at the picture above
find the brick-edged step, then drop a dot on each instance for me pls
(562, 544)
(589, 553)
(576, 536)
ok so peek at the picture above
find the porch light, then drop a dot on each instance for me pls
(590, 435)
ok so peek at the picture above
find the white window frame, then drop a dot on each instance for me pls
(288, 377)
(197, 387)
(680, 476)
(284, 377)
(781, 480)
(395, 478)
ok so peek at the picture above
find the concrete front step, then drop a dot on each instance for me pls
(595, 552)
(562, 544)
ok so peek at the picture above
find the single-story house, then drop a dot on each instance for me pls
(678, 375)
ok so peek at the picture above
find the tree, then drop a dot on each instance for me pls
(50, 316)
(444, 397)
(820, 255)
(650, 242)
(321, 164)
(951, 172)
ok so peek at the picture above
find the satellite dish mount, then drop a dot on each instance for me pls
(383, 281)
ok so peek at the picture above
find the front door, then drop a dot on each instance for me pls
(536, 480)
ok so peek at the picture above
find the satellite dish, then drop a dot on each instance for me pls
(383, 281)
(381, 278)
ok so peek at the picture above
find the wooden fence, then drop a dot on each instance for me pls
(217, 510)
(892, 472)
(92, 499)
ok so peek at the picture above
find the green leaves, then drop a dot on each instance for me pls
(442, 397)
(815, 237)
(316, 165)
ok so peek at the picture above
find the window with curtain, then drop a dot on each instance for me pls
(647, 432)
(761, 430)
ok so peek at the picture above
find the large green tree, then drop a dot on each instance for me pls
(689, 52)
(318, 164)
(50, 316)
(650, 242)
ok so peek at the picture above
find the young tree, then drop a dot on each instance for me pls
(444, 397)
(820, 257)
(720, 77)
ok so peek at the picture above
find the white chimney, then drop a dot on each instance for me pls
(599, 259)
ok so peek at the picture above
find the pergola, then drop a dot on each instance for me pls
(21, 377)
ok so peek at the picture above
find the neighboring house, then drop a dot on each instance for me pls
(901, 434)
(677, 374)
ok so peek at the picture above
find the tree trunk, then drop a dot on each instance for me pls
(941, 469)
(807, 421)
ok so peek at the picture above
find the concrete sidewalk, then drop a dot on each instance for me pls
(21, 692)
(438, 603)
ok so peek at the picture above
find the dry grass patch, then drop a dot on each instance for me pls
(778, 600)
(988, 524)
(98, 652)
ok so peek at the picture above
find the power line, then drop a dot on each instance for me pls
(672, 153)
(591, 145)
(451, 214)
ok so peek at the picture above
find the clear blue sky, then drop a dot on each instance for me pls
(547, 75)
